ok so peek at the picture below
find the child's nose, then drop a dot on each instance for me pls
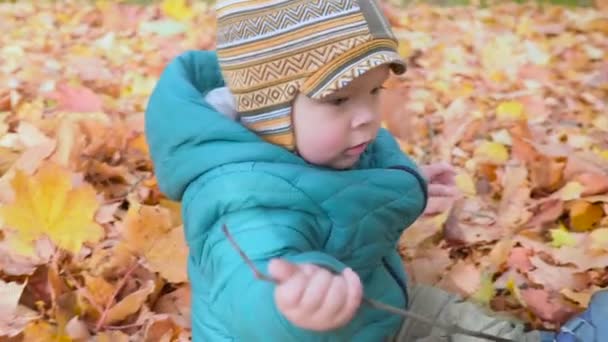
(364, 115)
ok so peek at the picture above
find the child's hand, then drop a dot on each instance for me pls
(313, 298)
(442, 187)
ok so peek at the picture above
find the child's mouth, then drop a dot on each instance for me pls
(356, 150)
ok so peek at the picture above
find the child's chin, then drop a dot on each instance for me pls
(345, 163)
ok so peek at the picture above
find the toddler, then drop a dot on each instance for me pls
(276, 135)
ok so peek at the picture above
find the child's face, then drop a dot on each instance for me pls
(334, 132)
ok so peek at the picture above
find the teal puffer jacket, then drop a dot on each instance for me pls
(276, 205)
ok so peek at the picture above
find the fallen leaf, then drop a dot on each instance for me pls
(130, 304)
(41, 331)
(176, 304)
(547, 305)
(428, 266)
(47, 204)
(77, 329)
(582, 298)
(77, 99)
(465, 183)
(552, 277)
(486, 290)
(112, 336)
(593, 182)
(599, 239)
(500, 252)
(571, 191)
(9, 297)
(510, 110)
(561, 237)
(177, 9)
(583, 216)
(463, 278)
(519, 259)
(492, 152)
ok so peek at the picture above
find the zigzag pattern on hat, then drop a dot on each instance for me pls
(237, 27)
(354, 71)
(267, 97)
(298, 64)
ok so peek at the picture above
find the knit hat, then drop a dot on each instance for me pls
(271, 50)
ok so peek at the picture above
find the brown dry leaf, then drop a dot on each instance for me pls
(177, 305)
(7, 158)
(512, 209)
(553, 277)
(161, 328)
(101, 291)
(130, 304)
(463, 278)
(111, 336)
(149, 231)
(547, 305)
(428, 266)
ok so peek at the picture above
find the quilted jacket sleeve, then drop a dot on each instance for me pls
(263, 233)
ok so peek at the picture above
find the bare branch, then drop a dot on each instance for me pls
(450, 329)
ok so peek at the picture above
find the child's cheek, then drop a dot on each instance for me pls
(323, 144)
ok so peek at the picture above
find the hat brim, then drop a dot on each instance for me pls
(341, 72)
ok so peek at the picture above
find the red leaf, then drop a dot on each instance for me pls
(547, 305)
(519, 259)
(77, 99)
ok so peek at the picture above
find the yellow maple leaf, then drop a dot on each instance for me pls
(177, 9)
(510, 110)
(41, 331)
(492, 152)
(561, 237)
(465, 183)
(47, 204)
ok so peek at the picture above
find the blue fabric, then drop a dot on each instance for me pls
(591, 325)
(276, 205)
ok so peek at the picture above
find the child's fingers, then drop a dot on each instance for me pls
(282, 270)
(437, 205)
(334, 299)
(440, 190)
(290, 292)
(354, 294)
(316, 291)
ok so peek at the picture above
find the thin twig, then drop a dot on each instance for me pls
(119, 287)
(450, 329)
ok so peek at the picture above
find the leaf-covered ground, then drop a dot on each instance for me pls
(514, 96)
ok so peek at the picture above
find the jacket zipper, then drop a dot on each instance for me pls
(397, 279)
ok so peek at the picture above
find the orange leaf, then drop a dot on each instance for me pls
(150, 232)
(584, 215)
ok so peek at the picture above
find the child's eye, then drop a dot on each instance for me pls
(339, 101)
(377, 90)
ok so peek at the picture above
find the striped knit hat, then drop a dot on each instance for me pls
(271, 50)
